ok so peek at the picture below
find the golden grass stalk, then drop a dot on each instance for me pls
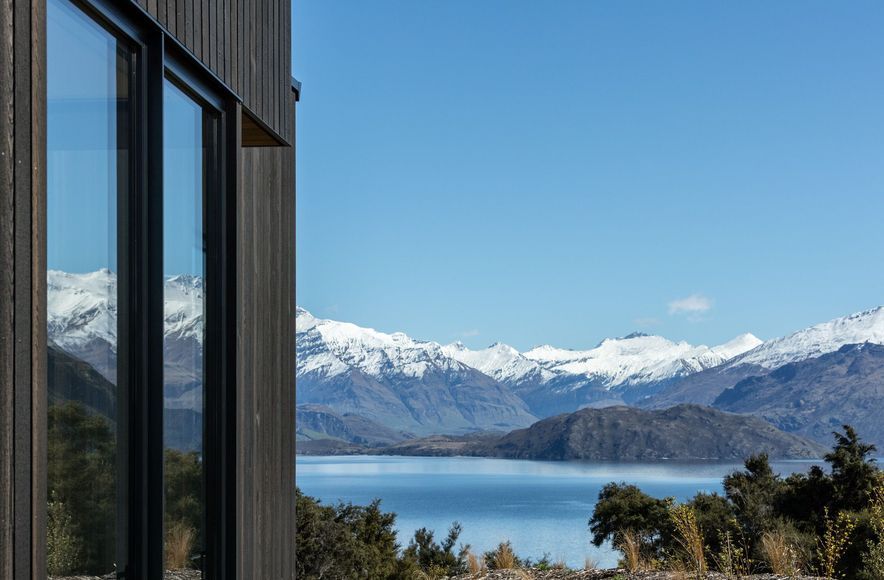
(504, 558)
(179, 542)
(590, 563)
(475, 563)
(689, 538)
(779, 554)
(630, 545)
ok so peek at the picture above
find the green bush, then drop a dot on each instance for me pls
(813, 520)
(63, 546)
(435, 559)
(81, 484)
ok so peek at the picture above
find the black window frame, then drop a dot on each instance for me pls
(156, 56)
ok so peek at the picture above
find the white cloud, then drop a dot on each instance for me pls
(647, 322)
(469, 333)
(693, 304)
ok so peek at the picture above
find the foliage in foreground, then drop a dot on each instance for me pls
(347, 541)
(831, 524)
(81, 511)
(81, 491)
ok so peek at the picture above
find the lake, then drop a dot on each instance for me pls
(540, 506)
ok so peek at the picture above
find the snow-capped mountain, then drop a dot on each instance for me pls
(423, 387)
(555, 380)
(82, 312)
(82, 308)
(819, 339)
(397, 381)
(802, 345)
(500, 361)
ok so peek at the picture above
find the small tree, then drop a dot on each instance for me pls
(622, 507)
(854, 472)
(754, 494)
(436, 559)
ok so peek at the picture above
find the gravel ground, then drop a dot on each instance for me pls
(532, 574)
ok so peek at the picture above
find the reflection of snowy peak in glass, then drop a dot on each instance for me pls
(82, 321)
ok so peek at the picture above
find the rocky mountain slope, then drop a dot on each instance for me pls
(316, 422)
(684, 432)
(815, 396)
(626, 433)
(399, 382)
(806, 344)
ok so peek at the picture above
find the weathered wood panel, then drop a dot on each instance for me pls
(7, 291)
(22, 288)
(246, 43)
(265, 362)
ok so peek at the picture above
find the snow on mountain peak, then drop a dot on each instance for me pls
(861, 327)
(82, 307)
(500, 361)
(330, 348)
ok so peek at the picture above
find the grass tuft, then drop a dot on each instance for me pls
(779, 554)
(179, 542)
(504, 558)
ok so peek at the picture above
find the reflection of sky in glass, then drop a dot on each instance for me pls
(182, 183)
(81, 143)
(541, 506)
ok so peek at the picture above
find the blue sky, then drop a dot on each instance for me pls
(83, 170)
(559, 172)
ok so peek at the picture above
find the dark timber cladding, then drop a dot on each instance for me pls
(246, 43)
(266, 322)
(22, 287)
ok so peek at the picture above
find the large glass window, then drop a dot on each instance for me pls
(184, 162)
(88, 169)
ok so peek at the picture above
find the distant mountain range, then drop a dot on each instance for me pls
(340, 365)
(361, 386)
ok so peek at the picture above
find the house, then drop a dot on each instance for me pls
(147, 289)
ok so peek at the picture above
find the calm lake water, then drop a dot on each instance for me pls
(541, 506)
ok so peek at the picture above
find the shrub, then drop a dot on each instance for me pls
(435, 559)
(81, 471)
(62, 545)
(854, 473)
(873, 560)
(834, 542)
(754, 493)
(344, 541)
(622, 507)
(732, 558)
(183, 488)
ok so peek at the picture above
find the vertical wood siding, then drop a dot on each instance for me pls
(265, 362)
(246, 43)
(22, 288)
